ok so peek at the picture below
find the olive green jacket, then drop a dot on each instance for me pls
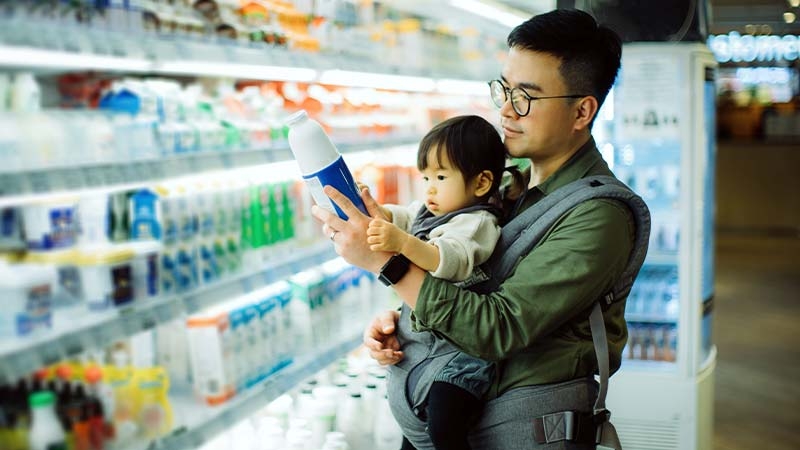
(536, 327)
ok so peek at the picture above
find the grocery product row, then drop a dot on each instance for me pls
(84, 264)
(113, 121)
(275, 32)
(245, 350)
(342, 407)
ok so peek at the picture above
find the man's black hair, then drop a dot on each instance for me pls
(590, 54)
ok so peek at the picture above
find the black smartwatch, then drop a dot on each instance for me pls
(394, 269)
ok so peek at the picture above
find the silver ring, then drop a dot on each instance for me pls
(332, 235)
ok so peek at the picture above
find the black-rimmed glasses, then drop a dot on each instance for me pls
(520, 100)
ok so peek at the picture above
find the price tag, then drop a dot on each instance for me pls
(117, 45)
(282, 154)
(39, 181)
(128, 173)
(214, 52)
(21, 363)
(194, 164)
(170, 168)
(129, 321)
(101, 44)
(226, 160)
(51, 353)
(191, 304)
(73, 178)
(106, 333)
(110, 174)
(11, 183)
(148, 319)
(72, 344)
(247, 285)
(166, 50)
(93, 176)
(169, 311)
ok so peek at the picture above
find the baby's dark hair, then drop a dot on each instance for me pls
(472, 145)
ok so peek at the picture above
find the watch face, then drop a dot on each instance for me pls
(394, 270)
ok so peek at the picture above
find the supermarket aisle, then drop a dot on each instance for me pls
(757, 334)
(757, 297)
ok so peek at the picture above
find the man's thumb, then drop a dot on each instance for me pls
(372, 206)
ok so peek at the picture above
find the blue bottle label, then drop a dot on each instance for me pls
(337, 175)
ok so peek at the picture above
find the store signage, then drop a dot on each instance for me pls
(748, 48)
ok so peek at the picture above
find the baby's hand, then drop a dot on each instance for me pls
(385, 236)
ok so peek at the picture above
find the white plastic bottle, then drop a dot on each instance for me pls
(46, 432)
(25, 93)
(320, 162)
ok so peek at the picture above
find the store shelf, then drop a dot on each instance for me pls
(645, 366)
(23, 187)
(650, 318)
(69, 48)
(200, 423)
(73, 334)
(657, 258)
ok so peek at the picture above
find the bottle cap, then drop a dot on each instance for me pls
(297, 117)
(93, 374)
(41, 398)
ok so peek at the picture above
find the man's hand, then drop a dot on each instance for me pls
(350, 236)
(386, 237)
(380, 338)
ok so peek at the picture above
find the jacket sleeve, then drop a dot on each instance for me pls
(575, 263)
(464, 242)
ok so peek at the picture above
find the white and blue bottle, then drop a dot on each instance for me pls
(320, 163)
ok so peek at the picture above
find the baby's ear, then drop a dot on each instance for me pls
(483, 183)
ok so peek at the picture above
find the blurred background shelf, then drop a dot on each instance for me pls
(75, 332)
(197, 424)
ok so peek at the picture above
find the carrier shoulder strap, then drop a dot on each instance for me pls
(525, 231)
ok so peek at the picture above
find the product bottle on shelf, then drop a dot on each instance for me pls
(320, 162)
(46, 432)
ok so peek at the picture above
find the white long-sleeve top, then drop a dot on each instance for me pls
(467, 240)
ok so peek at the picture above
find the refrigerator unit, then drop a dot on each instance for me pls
(660, 136)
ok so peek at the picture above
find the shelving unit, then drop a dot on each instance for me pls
(50, 47)
(22, 187)
(76, 48)
(201, 423)
(20, 357)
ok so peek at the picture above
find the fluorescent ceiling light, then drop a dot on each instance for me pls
(489, 11)
(49, 59)
(462, 87)
(377, 81)
(234, 70)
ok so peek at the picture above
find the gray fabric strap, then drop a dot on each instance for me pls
(598, 328)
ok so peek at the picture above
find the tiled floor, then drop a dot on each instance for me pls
(757, 297)
(757, 333)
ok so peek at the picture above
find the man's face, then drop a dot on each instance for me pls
(543, 133)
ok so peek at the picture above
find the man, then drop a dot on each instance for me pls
(559, 69)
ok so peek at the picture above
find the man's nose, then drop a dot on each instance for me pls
(507, 110)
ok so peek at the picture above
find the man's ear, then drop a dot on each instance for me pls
(585, 111)
(483, 183)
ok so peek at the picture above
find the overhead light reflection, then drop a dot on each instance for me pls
(489, 11)
(377, 80)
